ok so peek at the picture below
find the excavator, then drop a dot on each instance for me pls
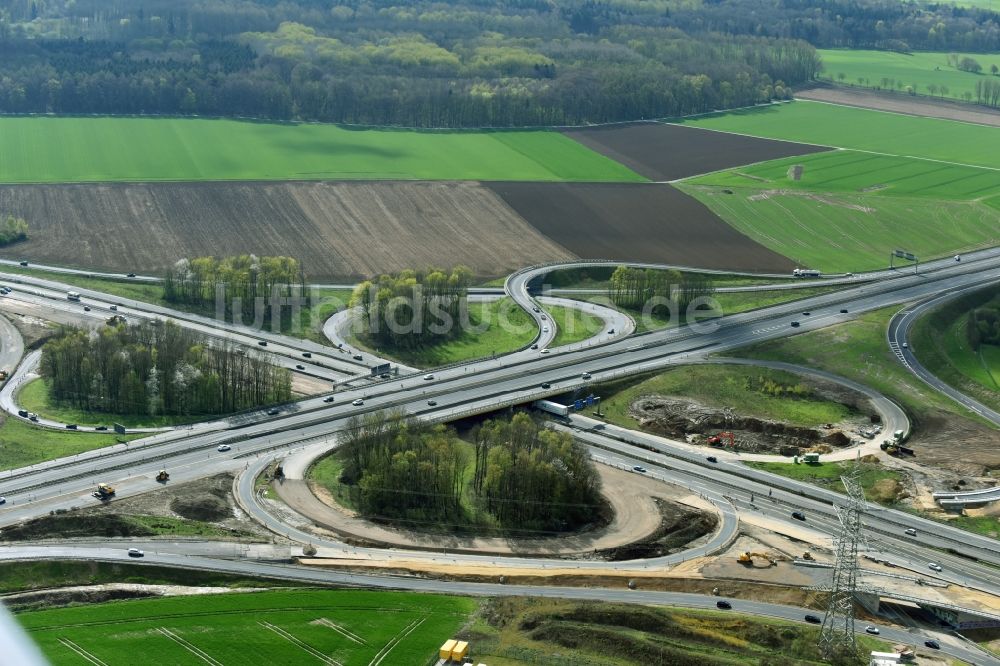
(162, 476)
(747, 558)
(716, 440)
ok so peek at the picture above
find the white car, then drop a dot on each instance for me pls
(933, 566)
(135, 552)
(585, 375)
(906, 345)
(871, 629)
(3, 500)
(544, 351)
(428, 378)
(358, 402)
(224, 447)
(545, 329)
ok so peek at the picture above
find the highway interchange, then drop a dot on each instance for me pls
(311, 425)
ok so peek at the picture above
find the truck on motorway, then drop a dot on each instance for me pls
(551, 407)
(805, 272)
(73, 295)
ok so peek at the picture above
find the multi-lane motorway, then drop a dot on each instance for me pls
(485, 385)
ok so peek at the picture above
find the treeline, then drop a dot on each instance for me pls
(12, 229)
(155, 368)
(525, 477)
(413, 308)
(639, 288)
(245, 284)
(983, 324)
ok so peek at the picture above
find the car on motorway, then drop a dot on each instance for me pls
(328, 398)
(934, 566)
(813, 619)
(640, 469)
(544, 317)
(933, 644)
(795, 324)
(806, 314)
(546, 385)
(871, 629)
(384, 375)
(545, 329)
(905, 345)
(958, 257)
(23, 413)
(536, 309)
(86, 308)
(307, 355)
(534, 346)
(272, 412)
(358, 357)
(724, 605)
(130, 275)
(71, 426)
(113, 307)
(33, 417)
(432, 403)
(585, 375)
(798, 515)
(3, 500)
(299, 366)
(262, 343)
(544, 351)
(135, 552)
(428, 378)
(843, 310)
(712, 459)
(911, 532)
(23, 263)
(358, 402)
(102, 428)
(224, 447)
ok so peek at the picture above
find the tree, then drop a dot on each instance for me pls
(12, 230)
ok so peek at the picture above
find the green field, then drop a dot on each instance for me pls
(49, 149)
(349, 627)
(880, 484)
(34, 397)
(22, 444)
(861, 129)
(889, 70)
(844, 232)
(725, 386)
(573, 325)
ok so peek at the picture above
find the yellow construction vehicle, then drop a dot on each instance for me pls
(104, 491)
(747, 558)
(3, 375)
(807, 555)
(162, 476)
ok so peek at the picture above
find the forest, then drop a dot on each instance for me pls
(245, 285)
(638, 288)
(413, 308)
(524, 477)
(157, 368)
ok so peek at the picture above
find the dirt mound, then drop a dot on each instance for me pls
(201, 506)
(679, 419)
(55, 598)
(74, 525)
(887, 491)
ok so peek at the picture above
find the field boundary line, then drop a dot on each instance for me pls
(190, 647)
(340, 630)
(83, 653)
(896, 113)
(394, 641)
(305, 647)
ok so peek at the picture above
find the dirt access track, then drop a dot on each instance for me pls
(648, 222)
(336, 229)
(663, 152)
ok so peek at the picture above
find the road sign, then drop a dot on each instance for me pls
(380, 369)
(578, 405)
(119, 429)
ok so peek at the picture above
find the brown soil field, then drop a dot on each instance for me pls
(336, 229)
(646, 222)
(661, 151)
(903, 103)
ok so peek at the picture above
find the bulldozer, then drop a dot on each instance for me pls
(747, 558)
(807, 556)
(162, 476)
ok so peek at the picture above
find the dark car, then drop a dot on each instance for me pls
(130, 275)
(795, 324)
(358, 357)
(806, 314)
(546, 385)
(86, 308)
(534, 346)
(843, 310)
(724, 605)
(272, 412)
(328, 398)
(262, 343)
(299, 366)
(101, 428)
(307, 355)
(71, 426)
(933, 644)
(712, 459)
(813, 619)
(22, 412)
(432, 403)
(33, 417)
(798, 515)
(24, 263)
(113, 307)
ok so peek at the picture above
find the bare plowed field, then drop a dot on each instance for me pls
(337, 230)
(661, 152)
(903, 103)
(640, 222)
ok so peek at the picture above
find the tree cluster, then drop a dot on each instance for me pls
(250, 286)
(525, 477)
(156, 368)
(988, 92)
(983, 325)
(414, 308)
(639, 288)
(13, 229)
